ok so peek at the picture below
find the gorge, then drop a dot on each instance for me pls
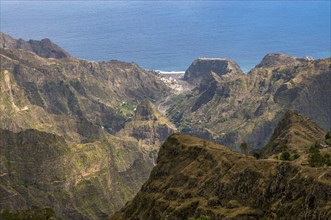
(82, 137)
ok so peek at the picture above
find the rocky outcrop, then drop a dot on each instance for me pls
(294, 134)
(44, 48)
(235, 108)
(77, 136)
(77, 181)
(194, 177)
(201, 69)
(90, 138)
(277, 59)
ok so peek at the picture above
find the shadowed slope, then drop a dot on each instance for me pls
(194, 177)
(109, 145)
(294, 132)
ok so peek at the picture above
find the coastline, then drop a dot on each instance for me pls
(169, 72)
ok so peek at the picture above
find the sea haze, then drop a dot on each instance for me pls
(168, 35)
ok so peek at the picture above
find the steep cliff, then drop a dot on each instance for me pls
(194, 178)
(235, 108)
(294, 134)
(76, 136)
(81, 137)
(277, 59)
(44, 48)
(201, 69)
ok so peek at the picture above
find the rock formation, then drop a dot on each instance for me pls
(235, 108)
(194, 178)
(294, 134)
(277, 59)
(44, 48)
(79, 138)
(201, 69)
(76, 136)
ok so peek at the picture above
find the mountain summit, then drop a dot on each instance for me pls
(235, 108)
(75, 135)
(81, 137)
(195, 178)
(278, 59)
(294, 132)
(201, 68)
(44, 48)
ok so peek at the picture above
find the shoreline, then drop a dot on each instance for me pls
(169, 72)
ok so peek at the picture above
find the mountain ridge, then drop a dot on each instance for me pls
(294, 132)
(44, 48)
(235, 108)
(276, 59)
(194, 177)
(106, 115)
(93, 107)
(201, 68)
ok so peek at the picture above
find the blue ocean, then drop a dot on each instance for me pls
(169, 35)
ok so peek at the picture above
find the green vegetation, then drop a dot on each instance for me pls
(328, 138)
(127, 110)
(327, 159)
(289, 157)
(282, 149)
(244, 148)
(187, 159)
(257, 155)
(91, 146)
(285, 156)
(328, 135)
(316, 159)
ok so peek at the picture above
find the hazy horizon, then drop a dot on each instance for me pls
(168, 35)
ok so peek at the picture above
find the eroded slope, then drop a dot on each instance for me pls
(74, 136)
(232, 108)
(194, 177)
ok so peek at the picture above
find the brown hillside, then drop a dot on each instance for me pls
(194, 177)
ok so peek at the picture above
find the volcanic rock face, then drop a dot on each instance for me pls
(194, 177)
(276, 59)
(44, 48)
(235, 108)
(77, 136)
(201, 69)
(81, 137)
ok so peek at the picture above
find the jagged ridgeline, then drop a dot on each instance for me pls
(231, 107)
(77, 136)
(197, 179)
(293, 133)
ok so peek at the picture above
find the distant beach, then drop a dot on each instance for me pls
(169, 72)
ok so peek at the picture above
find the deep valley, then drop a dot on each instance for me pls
(82, 139)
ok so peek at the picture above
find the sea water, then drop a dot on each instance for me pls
(169, 35)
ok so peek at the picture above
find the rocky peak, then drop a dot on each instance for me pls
(195, 178)
(106, 152)
(277, 59)
(44, 48)
(238, 108)
(294, 132)
(201, 69)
